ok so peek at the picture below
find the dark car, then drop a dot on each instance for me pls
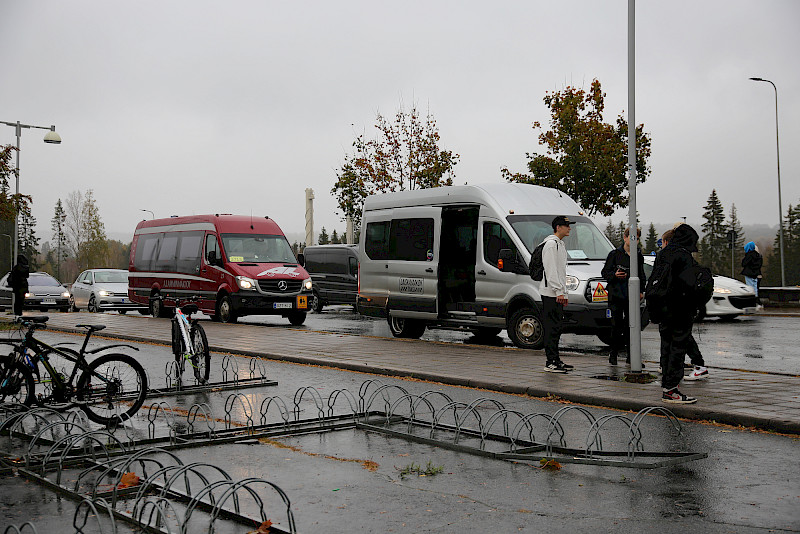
(44, 292)
(334, 273)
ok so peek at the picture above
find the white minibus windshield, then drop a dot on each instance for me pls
(585, 241)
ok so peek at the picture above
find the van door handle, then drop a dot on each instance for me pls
(482, 272)
(428, 270)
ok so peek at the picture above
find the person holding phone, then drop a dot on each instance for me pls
(616, 273)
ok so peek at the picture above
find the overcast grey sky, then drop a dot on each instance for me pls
(184, 107)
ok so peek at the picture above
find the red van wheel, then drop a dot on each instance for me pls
(225, 313)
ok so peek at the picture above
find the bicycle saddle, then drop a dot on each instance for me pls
(91, 327)
(189, 309)
(39, 319)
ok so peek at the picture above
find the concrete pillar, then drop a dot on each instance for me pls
(309, 216)
(350, 238)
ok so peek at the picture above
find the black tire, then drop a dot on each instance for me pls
(92, 306)
(525, 329)
(177, 341)
(318, 303)
(225, 313)
(297, 318)
(156, 307)
(405, 328)
(113, 388)
(201, 359)
(17, 385)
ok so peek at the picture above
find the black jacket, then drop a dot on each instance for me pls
(678, 254)
(18, 280)
(751, 264)
(618, 287)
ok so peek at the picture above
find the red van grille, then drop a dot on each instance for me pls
(274, 286)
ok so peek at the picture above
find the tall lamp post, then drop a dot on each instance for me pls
(50, 137)
(152, 215)
(780, 204)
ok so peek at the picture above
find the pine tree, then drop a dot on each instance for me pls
(735, 225)
(791, 252)
(611, 233)
(323, 237)
(334, 238)
(713, 244)
(651, 241)
(28, 242)
(620, 233)
(57, 224)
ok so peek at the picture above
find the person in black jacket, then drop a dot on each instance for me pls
(18, 282)
(616, 272)
(678, 311)
(751, 266)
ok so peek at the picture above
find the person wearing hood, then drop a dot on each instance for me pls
(751, 266)
(616, 272)
(678, 311)
(18, 281)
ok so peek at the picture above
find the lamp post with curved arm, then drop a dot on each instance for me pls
(50, 137)
(780, 204)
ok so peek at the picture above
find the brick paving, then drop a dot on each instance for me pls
(753, 399)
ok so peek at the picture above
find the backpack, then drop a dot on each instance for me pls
(700, 283)
(656, 291)
(536, 266)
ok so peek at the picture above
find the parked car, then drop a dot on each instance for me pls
(731, 297)
(334, 272)
(103, 289)
(44, 292)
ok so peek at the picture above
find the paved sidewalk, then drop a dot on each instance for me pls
(762, 400)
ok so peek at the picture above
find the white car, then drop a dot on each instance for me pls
(731, 297)
(103, 289)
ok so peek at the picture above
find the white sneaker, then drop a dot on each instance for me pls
(698, 373)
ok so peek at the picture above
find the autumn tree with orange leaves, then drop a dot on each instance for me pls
(404, 155)
(585, 157)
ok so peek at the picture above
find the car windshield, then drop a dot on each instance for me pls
(585, 241)
(43, 280)
(111, 277)
(255, 248)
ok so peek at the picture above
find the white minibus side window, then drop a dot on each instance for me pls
(411, 239)
(376, 244)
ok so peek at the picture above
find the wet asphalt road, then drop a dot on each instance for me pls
(749, 483)
(756, 343)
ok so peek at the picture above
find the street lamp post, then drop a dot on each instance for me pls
(780, 204)
(152, 215)
(50, 137)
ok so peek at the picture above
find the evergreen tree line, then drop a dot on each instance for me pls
(721, 255)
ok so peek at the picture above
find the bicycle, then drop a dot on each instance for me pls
(110, 389)
(189, 341)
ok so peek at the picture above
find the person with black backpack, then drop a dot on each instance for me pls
(677, 285)
(553, 289)
(18, 282)
(617, 272)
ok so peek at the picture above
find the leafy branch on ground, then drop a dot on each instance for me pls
(415, 469)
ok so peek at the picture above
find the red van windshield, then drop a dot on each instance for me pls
(257, 248)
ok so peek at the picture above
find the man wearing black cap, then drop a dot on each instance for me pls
(553, 289)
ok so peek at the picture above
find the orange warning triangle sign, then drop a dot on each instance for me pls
(600, 294)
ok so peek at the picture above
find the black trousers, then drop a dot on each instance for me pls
(692, 350)
(677, 329)
(620, 325)
(552, 321)
(19, 300)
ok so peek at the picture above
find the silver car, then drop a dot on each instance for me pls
(103, 289)
(44, 293)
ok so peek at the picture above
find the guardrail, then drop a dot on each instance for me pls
(780, 296)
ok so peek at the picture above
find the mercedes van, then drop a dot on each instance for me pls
(458, 256)
(236, 264)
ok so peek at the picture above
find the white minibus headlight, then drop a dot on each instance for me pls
(65, 294)
(572, 283)
(29, 295)
(102, 293)
(307, 284)
(246, 283)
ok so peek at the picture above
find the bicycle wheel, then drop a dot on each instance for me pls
(178, 348)
(16, 384)
(112, 388)
(201, 357)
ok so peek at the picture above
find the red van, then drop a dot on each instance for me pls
(237, 264)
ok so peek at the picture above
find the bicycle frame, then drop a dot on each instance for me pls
(183, 325)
